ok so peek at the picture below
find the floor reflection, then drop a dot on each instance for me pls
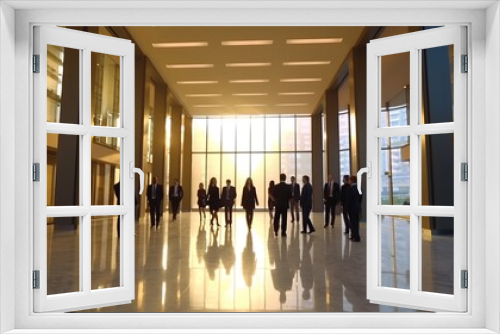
(188, 266)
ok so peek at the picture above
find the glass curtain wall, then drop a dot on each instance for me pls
(260, 147)
(344, 129)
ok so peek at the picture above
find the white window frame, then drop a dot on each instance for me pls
(484, 102)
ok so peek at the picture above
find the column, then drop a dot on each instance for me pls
(317, 162)
(187, 155)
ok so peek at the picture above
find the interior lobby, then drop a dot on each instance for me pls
(239, 102)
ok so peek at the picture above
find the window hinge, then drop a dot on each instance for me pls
(464, 171)
(36, 63)
(36, 279)
(465, 64)
(465, 279)
(36, 172)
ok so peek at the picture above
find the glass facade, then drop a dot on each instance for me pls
(259, 147)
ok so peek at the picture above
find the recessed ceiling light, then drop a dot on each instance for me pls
(207, 105)
(249, 81)
(248, 64)
(291, 104)
(300, 80)
(306, 63)
(203, 95)
(179, 44)
(296, 93)
(250, 105)
(249, 94)
(189, 65)
(247, 42)
(196, 82)
(314, 40)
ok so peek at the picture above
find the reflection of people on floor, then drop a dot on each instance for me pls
(270, 244)
(248, 261)
(306, 268)
(201, 242)
(294, 249)
(227, 254)
(282, 275)
(212, 255)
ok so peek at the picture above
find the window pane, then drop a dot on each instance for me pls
(395, 170)
(228, 134)
(257, 124)
(63, 255)
(243, 137)
(344, 131)
(304, 134)
(63, 170)
(213, 168)
(395, 251)
(105, 160)
(272, 169)
(304, 166)
(242, 172)
(287, 131)
(199, 134)
(105, 90)
(395, 80)
(437, 170)
(288, 164)
(437, 85)
(272, 134)
(63, 73)
(105, 257)
(228, 168)
(258, 177)
(198, 176)
(437, 254)
(214, 134)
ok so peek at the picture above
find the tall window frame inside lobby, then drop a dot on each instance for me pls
(24, 319)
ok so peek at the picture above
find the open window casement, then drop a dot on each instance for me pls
(73, 132)
(401, 132)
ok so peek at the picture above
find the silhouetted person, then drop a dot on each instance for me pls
(270, 199)
(282, 275)
(306, 269)
(282, 194)
(330, 198)
(353, 201)
(116, 188)
(202, 201)
(294, 201)
(212, 256)
(306, 204)
(227, 200)
(227, 254)
(155, 198)
(213, 200)
(248, 261)
(249, 200)
(201, 242)
(175, 195)
(343, 196)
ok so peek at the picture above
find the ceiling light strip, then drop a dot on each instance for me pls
(314, 40)
(300, 80)
(179, 44)
(183, 66)
(247, 42)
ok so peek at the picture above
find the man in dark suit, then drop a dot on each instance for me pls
(343, 196)
(175, 195)
(353, 202)
(306, 204)
(228, 196)
(282, 194)
(330, 198)
(155, 198)
(294, 202)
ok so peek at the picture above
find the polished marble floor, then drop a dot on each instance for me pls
(188, 266)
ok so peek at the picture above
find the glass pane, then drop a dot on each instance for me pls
(63, 255)
(228, 134)
(345, 164)
(395, 93)
(105, 178)
(228, 169)
(198, 175)
(149, 114)
(257, 124)
(63, 75)
(437, 170)
(213, 169)
(287, 131)
(287, 164)
(437, 85)
(344, 131)
(304, 134)
(395, 170)
(214, 134)
(105, 253)
(63, 170)
(437, 254)
(272, 169)
(304, 167)
(105, 90)
(343, 95)
(272, 134)
(395, 251)
(258, 177)
(242, 172)
(199, 134)
(243, 137)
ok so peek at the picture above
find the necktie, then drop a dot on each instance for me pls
(227, 193)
